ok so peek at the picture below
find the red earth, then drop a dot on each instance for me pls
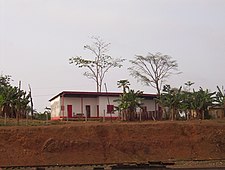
(116, 142)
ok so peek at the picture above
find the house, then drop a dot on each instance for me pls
(217, 112)
(73, 104)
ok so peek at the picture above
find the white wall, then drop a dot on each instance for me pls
(55, 107)
(93, 102)
(77, 107)
(150, 104)
(103, 102)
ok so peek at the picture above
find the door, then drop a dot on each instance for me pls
(97, 110)
(88, 111)
(69, 111)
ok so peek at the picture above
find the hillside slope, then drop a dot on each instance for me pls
(79, 142)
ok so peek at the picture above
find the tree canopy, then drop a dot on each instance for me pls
(153, 69)
(100, 64)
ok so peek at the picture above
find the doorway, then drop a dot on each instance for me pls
(88, 111)
(69, 111)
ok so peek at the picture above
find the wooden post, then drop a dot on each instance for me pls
(86, 118)
(104, 116)
(18, 111)
(31, 103)
(108, 102)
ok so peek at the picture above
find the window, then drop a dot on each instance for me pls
(110, 108)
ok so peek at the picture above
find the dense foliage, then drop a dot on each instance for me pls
(190, 104)
(13, 101)
(129, 101)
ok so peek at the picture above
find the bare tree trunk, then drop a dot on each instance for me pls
(172, 118)
(158, 88)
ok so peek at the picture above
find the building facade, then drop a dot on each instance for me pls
(72, 104)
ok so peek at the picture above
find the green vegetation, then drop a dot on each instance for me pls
(193, 104)
(129, 101)
(29, 122)
(13, 100)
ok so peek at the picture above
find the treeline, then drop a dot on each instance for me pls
(13, 100)
(177, 102)
(174, 103)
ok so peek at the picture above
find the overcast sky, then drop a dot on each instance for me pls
(37, 38)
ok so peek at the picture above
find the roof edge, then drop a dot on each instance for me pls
(96, 94)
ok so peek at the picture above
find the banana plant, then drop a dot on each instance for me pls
(170, 98)
(129, 100)
(13, 100)
(220, 97)
(201, 101)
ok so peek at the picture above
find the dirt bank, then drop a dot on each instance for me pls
(112, 142)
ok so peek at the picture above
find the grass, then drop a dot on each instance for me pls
(28, 122)
(35, 122)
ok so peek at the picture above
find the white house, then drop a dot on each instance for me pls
(72, 104)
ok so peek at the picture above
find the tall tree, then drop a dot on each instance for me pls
(153, 69)
(100, 64)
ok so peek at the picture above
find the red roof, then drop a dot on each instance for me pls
(95, 94)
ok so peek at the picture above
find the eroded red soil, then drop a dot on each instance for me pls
(79, 142)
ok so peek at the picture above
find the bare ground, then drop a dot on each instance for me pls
(117, 142)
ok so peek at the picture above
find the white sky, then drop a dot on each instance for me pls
(37, 37)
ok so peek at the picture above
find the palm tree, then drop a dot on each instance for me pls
(124, 84)
(188, 84)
